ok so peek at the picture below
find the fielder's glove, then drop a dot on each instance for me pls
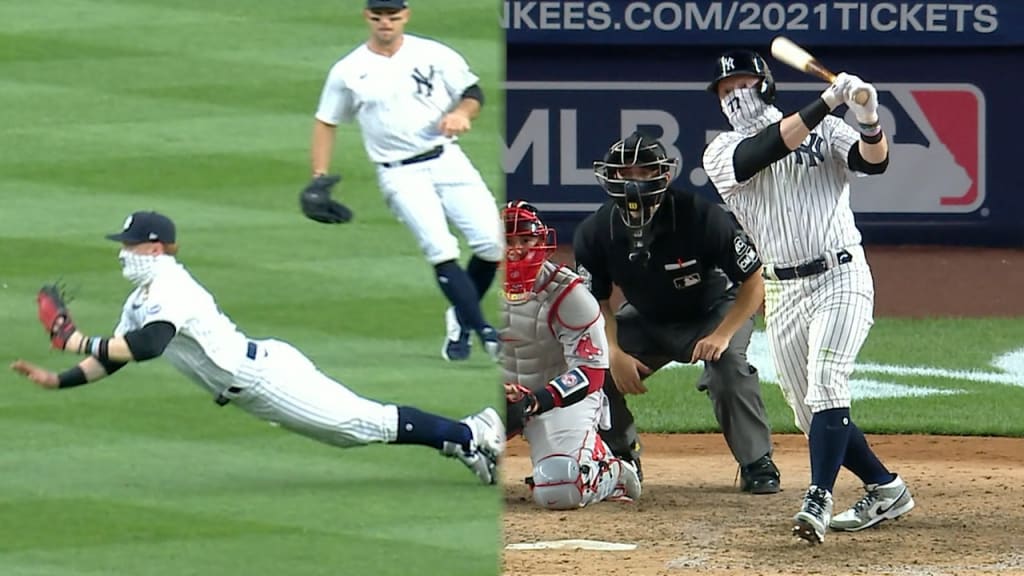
(317, 204)
(54, 314)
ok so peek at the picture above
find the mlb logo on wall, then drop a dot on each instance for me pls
(936, 150)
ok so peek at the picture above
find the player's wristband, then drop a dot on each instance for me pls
(72, 377)
(814, 113)
(98, 347)
(871, 133)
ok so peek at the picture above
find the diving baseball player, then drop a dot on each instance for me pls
(555, 360)
(412, 97)
(169, 314)
(787, 180)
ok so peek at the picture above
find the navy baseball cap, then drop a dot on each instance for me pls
(386, 4)
(145, 227)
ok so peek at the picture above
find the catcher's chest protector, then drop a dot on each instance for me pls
(533, 355)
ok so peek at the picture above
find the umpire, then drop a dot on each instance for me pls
(692, 283)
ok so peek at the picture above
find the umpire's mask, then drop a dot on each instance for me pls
(636, 172)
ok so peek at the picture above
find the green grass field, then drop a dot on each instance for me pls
(202, 109)
(934, 376)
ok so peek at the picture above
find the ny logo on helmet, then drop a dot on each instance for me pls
(728, 63)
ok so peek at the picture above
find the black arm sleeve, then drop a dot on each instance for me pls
(475, 93)
(758, 152)
(150, 341)
(857, 163)
(112, 366)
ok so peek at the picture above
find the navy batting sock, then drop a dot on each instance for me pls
(459, 290)
(482, 273)
(862, 461)
(418, 427)
(828, 438)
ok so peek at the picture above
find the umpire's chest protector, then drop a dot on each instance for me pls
(533, 355)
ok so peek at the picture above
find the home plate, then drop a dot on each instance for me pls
(571, 545)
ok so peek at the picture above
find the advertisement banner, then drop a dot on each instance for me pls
(692, 22)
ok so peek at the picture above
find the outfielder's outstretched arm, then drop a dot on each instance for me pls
(88, 370)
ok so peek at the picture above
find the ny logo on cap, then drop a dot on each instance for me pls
(127, 223)
(728, 63)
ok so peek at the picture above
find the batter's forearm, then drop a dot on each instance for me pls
(748, 299)
(793, 131)
(874, 153)
(322, 147)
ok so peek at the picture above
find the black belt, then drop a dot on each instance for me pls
(428, 155)
(221, 399)
(812, 268)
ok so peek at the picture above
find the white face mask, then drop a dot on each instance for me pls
(139, 269)
(747, 111)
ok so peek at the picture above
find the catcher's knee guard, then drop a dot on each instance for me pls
(558, 482)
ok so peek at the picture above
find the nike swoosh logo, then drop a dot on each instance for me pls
(884, 510)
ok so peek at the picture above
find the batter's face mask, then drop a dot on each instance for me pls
(528, 244)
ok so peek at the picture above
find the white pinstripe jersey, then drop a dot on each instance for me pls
(798, 208)
(398, 100)
(207, 347)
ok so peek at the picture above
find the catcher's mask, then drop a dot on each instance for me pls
(636, 172)
(528, 244)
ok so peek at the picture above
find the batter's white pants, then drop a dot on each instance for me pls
(426, 195)
(284, 387)
(816, 327)
(573, 431)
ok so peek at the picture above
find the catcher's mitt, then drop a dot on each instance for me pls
(317, 204)
(54, 314)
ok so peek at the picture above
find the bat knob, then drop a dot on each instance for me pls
(861, 97)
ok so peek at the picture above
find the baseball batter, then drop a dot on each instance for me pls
(555, 361)
(787, 180)
(412, 97)
(169, 314)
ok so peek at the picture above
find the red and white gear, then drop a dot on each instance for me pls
(554, 345)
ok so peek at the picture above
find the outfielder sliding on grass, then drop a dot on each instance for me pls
(170, 314)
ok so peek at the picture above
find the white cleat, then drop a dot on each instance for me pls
(486, 448)
(812, 520)
(629, 487)
(882, 502)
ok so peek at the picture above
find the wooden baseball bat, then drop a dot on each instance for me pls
(786, 51)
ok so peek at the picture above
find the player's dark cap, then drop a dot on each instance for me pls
(748, 62)
(386, 4)
(145, 227)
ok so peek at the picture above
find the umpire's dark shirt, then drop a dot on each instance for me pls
(694, 241)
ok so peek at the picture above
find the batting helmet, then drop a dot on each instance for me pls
(637, 198)
(744, 62)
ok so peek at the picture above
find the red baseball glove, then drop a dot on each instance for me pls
(54, 314)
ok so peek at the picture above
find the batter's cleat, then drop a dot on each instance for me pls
(456, 345)
(491, 342)
(486, 448)
(812, 520)
(761, 477)
(882, 502)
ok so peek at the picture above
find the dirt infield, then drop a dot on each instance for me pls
(692, 519)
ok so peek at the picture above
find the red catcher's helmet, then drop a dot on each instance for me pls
(528, 244)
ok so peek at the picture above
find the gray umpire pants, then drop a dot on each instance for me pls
(731, 383)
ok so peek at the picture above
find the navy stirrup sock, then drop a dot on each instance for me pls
(481, 273)
(418, 427)
(459, 290)
(827, 440)
(862, 461)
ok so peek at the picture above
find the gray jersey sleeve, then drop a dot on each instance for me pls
(577, 323)
(718, 163)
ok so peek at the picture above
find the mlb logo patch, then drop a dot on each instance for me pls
(936, 151)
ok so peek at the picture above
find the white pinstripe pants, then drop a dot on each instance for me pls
(284, 387)
(816, 327)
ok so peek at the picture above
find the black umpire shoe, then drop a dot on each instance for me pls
(761, 477)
